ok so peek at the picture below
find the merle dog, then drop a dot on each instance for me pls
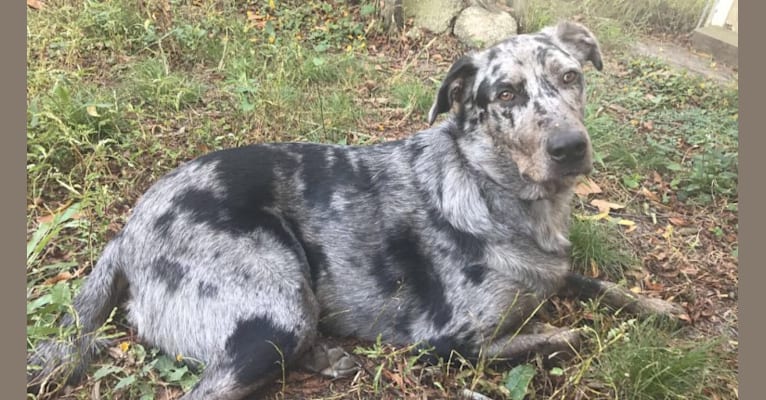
(450, 238)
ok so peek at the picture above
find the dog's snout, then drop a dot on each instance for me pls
(567, 147)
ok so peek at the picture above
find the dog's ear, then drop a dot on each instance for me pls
(578, 41)
(453, 87)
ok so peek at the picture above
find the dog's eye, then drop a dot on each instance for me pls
(506, 95)
(569, 77)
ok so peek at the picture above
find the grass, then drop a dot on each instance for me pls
(615, 22)
(598, 249)
(121, 92)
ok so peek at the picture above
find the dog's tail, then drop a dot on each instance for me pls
(59, 361)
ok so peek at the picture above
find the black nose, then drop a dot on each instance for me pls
(567, 147)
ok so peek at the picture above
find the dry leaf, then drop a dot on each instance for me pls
(677, 221)
(36, 4)
(635, 289)
(61, 276)
(649, 195)
(596, 217)
(604, 206)
(91, 110)
(586, 187)
(625, 222)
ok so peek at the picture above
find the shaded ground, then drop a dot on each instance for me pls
(680, 54)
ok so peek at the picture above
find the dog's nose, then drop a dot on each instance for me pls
(567, 147)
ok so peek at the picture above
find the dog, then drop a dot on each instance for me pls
(450, 238)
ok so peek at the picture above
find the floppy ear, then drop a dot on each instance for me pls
(453, 87)
(578, 41)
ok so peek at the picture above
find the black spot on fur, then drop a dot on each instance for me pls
(402, 262)
(508, 114)
(471, 247)
(207, 290)
(495, 69)
(252, 348)
(229, 213)
(548, 88)
(323, 176)
(170, 272)
(539, 110)
(492, 55)
(476, 273)
(542, 55)
(484, 94)
(163, 223)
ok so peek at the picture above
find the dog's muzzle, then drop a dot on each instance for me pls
(569, 150)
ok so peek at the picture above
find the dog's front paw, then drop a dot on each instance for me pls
(649, 306)
(331, 362)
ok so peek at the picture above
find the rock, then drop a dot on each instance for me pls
(434, 15)
(479, 27)
(415, 33)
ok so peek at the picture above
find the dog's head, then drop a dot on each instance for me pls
(527, 94)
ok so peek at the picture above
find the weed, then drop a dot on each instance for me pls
(644, 361)
(598, 249)
(413, 96)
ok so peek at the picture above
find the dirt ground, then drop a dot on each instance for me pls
(679, 53)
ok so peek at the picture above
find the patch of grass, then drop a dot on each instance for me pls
(686, 130)
(151, 83)
(639, 360)
(598, 249)
(615, 21)
(416, 97)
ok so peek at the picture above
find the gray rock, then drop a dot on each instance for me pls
(434, 15)
(479, 27)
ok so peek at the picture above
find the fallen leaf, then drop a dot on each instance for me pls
(36, 4)
(625, 222)
(649, 195)
(61, 276)
(91, 110)
(586, 187)
(677, 221)
(635, 289)
(604, 206)
(595, 217)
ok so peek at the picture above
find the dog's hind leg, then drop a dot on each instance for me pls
(261, 348)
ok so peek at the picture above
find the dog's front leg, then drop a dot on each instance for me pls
(535, 338)
(618, 297)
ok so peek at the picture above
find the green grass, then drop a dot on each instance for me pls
(598, 249)
(686, 127)
(615, 22)
(643, 360)
(120, 94)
